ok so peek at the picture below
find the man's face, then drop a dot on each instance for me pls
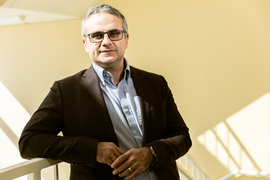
(107, 53)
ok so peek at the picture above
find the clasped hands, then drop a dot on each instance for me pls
(126, 164)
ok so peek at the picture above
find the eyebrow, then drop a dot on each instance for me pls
(103, 31)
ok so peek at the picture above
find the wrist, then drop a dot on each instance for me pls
(154, 155)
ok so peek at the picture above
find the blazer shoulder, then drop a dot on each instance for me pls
(72, 78)
(142, 75)
(137, 71)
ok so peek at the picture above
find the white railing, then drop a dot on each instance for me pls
(31, 168)
(188, 169)
(247, 173)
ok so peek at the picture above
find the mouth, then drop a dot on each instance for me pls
(106, 51)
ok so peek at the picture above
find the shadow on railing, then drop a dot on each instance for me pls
(31, 168)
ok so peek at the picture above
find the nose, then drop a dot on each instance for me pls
(106, 40)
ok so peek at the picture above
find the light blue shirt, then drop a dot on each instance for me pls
(124, 110)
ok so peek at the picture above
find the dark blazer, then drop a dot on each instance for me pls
(75, 106)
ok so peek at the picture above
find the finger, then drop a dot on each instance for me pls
(115, 153)
(107, 152)
(119, 161)
(121, 169)
(127, 172)
(109, 162)
(114, 157)
(133, 174)
(118, 152)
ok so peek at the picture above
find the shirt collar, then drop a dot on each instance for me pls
(101, 71)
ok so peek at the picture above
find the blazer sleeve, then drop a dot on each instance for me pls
(40, 136)
(169, 135)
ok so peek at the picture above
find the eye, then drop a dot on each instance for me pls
(114, 33)
(97, 35)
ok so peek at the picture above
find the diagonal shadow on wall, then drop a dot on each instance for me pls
(241, 142)
(8, 131)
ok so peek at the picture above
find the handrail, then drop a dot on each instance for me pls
(184, 172)
(186, 167)
(245, 172)
(191, 169)
(32, 168)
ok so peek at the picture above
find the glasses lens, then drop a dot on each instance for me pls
(96, 37)
(115, 35)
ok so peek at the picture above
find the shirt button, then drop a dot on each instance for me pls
(135, 131)
(126, 110)
(107, 75)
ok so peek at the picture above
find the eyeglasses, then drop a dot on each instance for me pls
(114, 35)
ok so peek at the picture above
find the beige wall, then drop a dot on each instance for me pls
(214, 55)
(33, 56)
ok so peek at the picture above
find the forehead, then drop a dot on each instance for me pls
(102, 22)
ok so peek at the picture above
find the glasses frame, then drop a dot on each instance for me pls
(88, 35)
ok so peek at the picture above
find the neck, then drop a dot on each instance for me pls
(118, 72)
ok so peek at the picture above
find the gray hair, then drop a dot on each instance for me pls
(103, 8)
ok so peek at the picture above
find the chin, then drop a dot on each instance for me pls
(108, 61)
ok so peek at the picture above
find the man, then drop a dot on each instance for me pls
(118, 122)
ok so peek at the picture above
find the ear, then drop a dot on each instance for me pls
(127, 38)
(85, 45)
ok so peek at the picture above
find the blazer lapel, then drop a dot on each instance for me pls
(142, 90)
(91, 82)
